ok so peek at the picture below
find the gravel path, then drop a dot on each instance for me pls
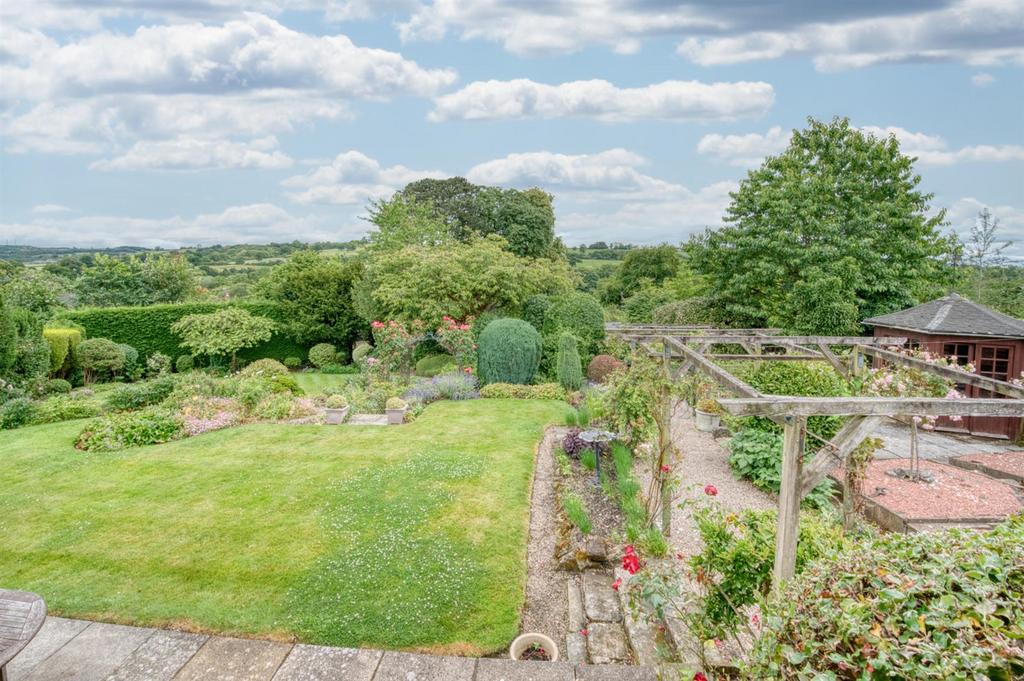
(702, 460)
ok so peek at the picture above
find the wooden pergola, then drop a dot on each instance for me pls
(687, 349)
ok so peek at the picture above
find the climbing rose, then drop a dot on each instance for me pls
(617, 583)
(665, 469)
(710, 490)
(699, 676)
(630, 561)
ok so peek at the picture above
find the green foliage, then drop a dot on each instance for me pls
(516, 391)
(265, 367)
(63, 348)
(293, 362)
(65, 408)
(1000, 287)
(633, 398)
(576, 511)
(738, 554)
(56, 386)
(461, 280)
(16, 413)
(323, 354)
(756, 455)
(158, 364)
(692, 311)
(360, 351)
(131, 368)
(395, 403)
(602, 366)
(157, 278)
(640, 306)
(642, 267)
(31, 351)
(184, 364)
(314, 293)
(35, 290)
(100, 358)
(805, 379)
(224, 332)
(339, 369)
(8, 338)
(570, 370)
(581, 315)
(432, 365)
(138, 395)
(934, 605)
(510, 351)
(838, 206)
(129, 429)
(148, 329)
(535, 308)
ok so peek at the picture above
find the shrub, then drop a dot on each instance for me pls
(570, 372)
(336, 402)
(138, 395)
(265, 367)
(601, 366)
(756, 455)
(573, 445)
(709, 406)
(360, 351)
(63, 348)
(129, 429)
(56, 386)
(509, 352)
(251, 391)
(293, 362)
(322, 354)
(516, 391)
(640, 306)
(148, 329)
(16, 413)
(184, 364)
(65, 408)
(456, 338)
(432, 365)
(100, 357)
(934, 605)
(31, 362)
(131, 369)
(396, 403)
(455, 385)
(689, 312)
(274, 407)
(534, 309)
(158, 364)
(576, 511)
(581, 315)
(810, 379)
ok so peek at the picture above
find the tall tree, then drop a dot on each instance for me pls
(836, 203)
(111, 281)
(983, 251)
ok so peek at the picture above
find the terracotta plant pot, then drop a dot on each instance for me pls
(395, 416)
(526, 640)
(333, 417)
(707, 423)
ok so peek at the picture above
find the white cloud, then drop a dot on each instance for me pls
(744, 150)
(931, 150)
(963, 213)
(188, 153)
(352, 178)
(254, 223)
(250, 77)
(982, 79)
(670, 100)
(46, 208)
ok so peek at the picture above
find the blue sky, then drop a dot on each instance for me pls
(164, 123)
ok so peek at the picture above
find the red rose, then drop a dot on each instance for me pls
(711, 490)
(617, 583)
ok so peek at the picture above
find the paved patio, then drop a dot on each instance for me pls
(77, 650)
(935, 445)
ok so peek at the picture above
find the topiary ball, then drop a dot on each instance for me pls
(509, 352)
(322, 354)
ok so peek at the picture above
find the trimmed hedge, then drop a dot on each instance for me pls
(62, 349)
(148, 329)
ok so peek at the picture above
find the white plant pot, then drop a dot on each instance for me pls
(707, 423)
(526, 640)
(333, 417)
(395, 416)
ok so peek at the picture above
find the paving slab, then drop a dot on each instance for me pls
(576, 648)
(606, 643)
(509, 670)
(97, 651)
(320, 663)
(234, 659)
(160, 657)
(609, 672)
(54, 634)
(410, 667)
(600, 600)
(577, 616)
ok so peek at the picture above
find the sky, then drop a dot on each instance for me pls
(181, 122)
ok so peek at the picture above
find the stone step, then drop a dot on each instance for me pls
(600, 601)
(641, 631)
(575, 642)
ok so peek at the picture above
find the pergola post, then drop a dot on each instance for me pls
(788, 529)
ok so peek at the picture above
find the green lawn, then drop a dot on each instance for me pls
(398, 537)
(313, 383)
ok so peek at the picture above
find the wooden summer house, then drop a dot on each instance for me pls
(953, 326)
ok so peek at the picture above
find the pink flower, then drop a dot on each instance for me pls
(665, 469)
(630, 561)
(584, 631)
(710, 490)
(617, 583)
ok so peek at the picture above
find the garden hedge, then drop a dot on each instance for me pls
(148, 329)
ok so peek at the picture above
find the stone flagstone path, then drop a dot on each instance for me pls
(77, 650)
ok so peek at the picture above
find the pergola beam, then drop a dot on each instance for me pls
(736, 339)
(996, 386)
(720, 375)
(770, 357)
(773, 405)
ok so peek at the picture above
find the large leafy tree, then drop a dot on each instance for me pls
(111, 281)
(641, 268)
(223, 333)
(316, 293)
(841, 206)
(460, 280)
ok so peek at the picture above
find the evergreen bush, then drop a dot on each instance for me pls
(509, 352)
(570, 370)
(534, 309)
(63, 344)
(100, 357)
(322, 354)
(184, 364)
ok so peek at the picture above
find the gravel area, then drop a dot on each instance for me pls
(1011, 463)
(546, 608)
(955, 494)
(702, 461)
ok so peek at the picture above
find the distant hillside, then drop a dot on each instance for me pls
(235, 253)
(49, 253)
